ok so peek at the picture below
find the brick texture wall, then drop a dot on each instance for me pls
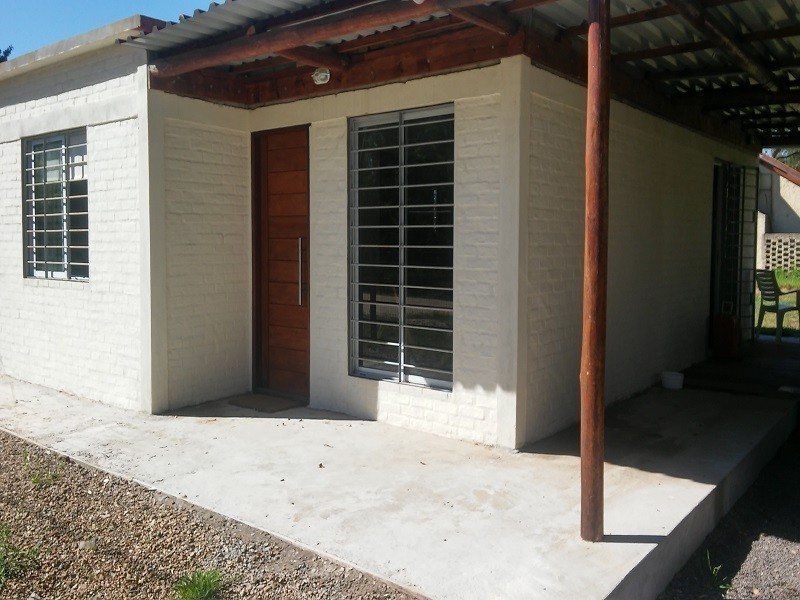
(83, 338)
(661, 181)
(555, 263)
(207, 195)
(470, 410)
(52, 92)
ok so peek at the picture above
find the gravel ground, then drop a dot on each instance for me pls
(756, 545)
(102, 537)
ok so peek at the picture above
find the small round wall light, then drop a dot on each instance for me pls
(321, 75)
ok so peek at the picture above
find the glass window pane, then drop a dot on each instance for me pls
(427, 338)
(429, 317)
(428, 359)
(432, 216)
(380, 197)
(429, 153)
(429, 194)
(378, 256)
(370, 217)
(383, 313)
(429, 174)
(380, 352)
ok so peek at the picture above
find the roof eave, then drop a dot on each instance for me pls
(104, 36)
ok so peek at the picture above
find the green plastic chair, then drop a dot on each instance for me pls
(771, 301)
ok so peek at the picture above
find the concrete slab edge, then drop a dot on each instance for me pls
(649, 578)
(415, 594)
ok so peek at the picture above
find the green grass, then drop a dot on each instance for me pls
(41, 473)
(200, 585)
(788, 280)
(716, 579)
(14, 562)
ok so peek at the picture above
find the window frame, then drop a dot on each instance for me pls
(399, 373)
(62, 216)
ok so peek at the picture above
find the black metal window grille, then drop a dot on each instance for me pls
(401, 246)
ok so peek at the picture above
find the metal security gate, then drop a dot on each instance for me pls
(734, 246)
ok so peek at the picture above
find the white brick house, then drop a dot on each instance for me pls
(166, 316)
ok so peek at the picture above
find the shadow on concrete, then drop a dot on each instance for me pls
(259, 406)
(689, 434)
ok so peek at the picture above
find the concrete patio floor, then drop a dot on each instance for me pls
(444, 518)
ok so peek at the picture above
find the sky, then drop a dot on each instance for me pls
(30, 24)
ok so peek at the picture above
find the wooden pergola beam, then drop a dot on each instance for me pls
(721, 71)
(784, 141)
(709, 28)
(293, 35)
(488, 18)
(640, 16)
(744, 38)
(660, 51)
(522, 5)
(743, 97)
(315, 57)
(595, 271)
(449, 52)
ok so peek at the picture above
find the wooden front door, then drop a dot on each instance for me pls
(280, 265)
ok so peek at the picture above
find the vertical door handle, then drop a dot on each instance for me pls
(300, 271)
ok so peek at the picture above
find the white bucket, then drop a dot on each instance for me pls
(672, 380)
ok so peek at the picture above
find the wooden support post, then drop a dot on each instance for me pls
(595, 271)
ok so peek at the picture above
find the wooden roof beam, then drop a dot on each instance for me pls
(640, 16)
(743, 97)
(709, 28)
(293, 35)
(487, 17)
(720, 71)
(315, 57)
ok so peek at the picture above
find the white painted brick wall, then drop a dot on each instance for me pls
(49, 94)
(661, 184)
(470, 411)
(555, 261)
(207, 195)
(83, 338)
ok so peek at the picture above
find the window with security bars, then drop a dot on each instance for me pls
(56, 206)
(401, 246)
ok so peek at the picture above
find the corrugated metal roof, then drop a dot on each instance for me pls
(649, 41)
(232, 15)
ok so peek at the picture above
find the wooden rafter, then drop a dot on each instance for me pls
(363, 17)
(488, 18)
(316, 57)
(741, 97)
(451, 51)
(713, 31)
(788, 117)
(522, 5)
(697, 46)
(718, 71)
(780, 168)
(660, 51)
(641, 16)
